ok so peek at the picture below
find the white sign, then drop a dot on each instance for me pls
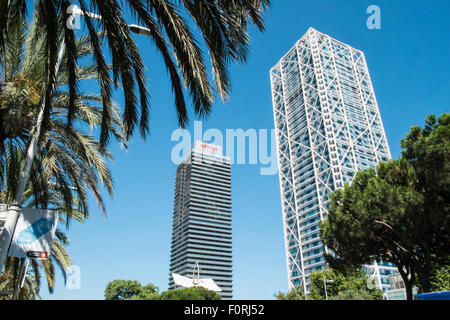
(207, 148)
(3, 214)
(34, 232)
(186, 282)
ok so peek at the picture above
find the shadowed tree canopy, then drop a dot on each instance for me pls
(124, 289)
(352, 285)
(194, 293)
(223, 29)
(294, 294)
(441, 279)
(399, 212)
(427, 149)
(375, 218)
(133, 290)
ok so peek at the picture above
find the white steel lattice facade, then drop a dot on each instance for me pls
(328, 127)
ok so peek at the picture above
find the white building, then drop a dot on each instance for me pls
(328, 127)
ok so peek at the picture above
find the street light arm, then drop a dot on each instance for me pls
(77, 11)
(133, 27)
(140, 30)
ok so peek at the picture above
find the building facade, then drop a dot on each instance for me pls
(202, 218)
(328, 127)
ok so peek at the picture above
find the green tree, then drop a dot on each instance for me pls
(148, 292)
(352, 285)
(384, 215)
(374, 218)
(427, 149)
(130, 290)
(70, 161)
(440, 281)
(133, 290)
(352, 295)
(294, 294)
(222, 25)
(194, 293)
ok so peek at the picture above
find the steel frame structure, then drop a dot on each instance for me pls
(328, 126)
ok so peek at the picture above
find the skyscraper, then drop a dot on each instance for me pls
(328, 127)
(202, 217)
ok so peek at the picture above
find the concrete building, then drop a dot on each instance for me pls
(202, 217)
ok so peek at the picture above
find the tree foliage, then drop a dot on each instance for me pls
(69, 163)
(134, 290)
(130, 290)
(353, 295)
(194, 293)
(122, 289)
(396, 213)
(294, 294)
(69, 159)
(222, 25)
(440, 280)
(352, 285)
(427, 149)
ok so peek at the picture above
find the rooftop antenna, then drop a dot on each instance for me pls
(196, 281)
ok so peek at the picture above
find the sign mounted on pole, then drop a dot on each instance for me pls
(3, 212)
(34, 233)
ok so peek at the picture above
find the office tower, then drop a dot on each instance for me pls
(328, 127)
(202, 217)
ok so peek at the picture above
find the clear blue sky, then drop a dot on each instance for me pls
(408, 60)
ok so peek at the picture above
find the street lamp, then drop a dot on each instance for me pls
(14, 209)
(325, 286)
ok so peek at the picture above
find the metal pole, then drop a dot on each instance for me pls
(19, 283)
(14, 208)
(25, 273)
(325, 286)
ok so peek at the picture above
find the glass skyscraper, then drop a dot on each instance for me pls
(202, 218)
(328, 127)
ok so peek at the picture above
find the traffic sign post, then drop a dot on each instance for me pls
(32, 238)
(34, 233)
(3, 215)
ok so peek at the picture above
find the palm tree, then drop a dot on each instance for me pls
(70, 158)
(223, 25)
(70, 162)
(78, 161)
(58, 257)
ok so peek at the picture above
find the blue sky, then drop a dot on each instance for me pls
(409, 65)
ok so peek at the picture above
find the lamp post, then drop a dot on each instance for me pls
(325, 286)
(14, 208)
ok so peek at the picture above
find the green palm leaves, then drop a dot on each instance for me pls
(223, 27)
(70, 161)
